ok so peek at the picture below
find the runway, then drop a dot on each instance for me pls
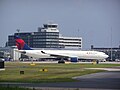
(109, 80)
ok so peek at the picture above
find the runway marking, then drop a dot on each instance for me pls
(107, 69)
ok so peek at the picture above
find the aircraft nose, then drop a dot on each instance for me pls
(106, 56)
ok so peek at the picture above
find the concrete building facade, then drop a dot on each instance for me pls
(70, 42)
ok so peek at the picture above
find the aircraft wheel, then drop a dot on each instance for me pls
(61, 61)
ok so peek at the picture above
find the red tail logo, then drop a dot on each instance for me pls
(20, 43)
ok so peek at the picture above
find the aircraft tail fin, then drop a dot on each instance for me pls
(21, 45)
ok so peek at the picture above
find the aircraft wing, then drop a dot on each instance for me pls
(59, 55)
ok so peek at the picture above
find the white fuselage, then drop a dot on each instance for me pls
(65, 53)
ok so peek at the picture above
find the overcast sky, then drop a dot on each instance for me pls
(90, 19)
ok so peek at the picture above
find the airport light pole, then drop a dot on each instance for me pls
(111, 44)
(78, 35)
(18, 30)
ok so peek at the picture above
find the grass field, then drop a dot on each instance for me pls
(13, 88)
(54, 73)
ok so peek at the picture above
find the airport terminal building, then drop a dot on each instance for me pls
(47, 37)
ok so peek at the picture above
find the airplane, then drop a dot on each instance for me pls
(73, 55)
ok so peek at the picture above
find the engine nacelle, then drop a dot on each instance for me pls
(74, 59)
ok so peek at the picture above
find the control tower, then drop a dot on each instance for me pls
(47, 36)
(48, 28)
